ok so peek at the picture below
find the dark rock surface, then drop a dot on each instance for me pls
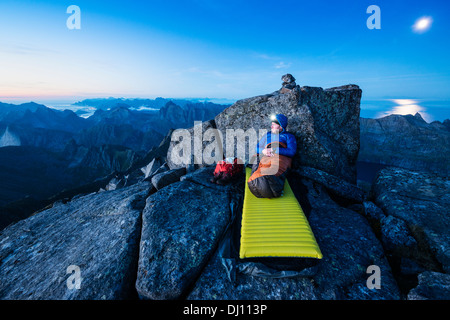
(422, 201)
(395, 233)
(162, 179)
(182, 224)
(98, 232)
(432, 286)
(413, 224)
(334, 184)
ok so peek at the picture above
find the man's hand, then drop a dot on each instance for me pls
(268, 152)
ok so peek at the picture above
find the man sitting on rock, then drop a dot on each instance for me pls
(274, 153)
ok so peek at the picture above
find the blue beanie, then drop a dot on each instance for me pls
(282, 121)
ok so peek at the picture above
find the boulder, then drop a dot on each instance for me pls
(151, 167)
(144, 169)
(432, 286)
(97, 233)
(114, 184)
(182, 224)
(324, 122)
(189, 146)
(162, 179)
(422, 201)
(333, 184)
(372, 211)
(395, 234)
(163, 168)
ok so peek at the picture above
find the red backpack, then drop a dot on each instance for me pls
(228, 168)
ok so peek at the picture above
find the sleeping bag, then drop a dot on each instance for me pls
(269, 173)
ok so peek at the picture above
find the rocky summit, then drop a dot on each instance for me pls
(160, 230)
(324, 122)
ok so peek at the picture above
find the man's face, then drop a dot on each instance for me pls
(275, 127)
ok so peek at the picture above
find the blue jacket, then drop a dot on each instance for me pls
(283, 137)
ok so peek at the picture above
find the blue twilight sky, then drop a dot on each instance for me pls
(220, 49)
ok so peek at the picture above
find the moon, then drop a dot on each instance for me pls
(422, 24)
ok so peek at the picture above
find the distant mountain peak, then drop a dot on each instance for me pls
(418, 116)
(9, 139)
